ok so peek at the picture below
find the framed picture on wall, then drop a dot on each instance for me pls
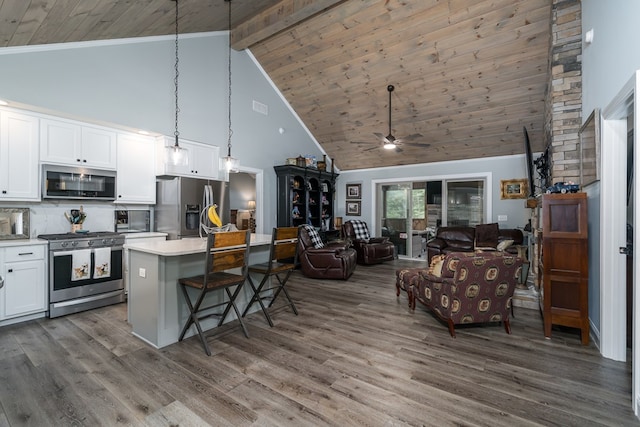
(354, 191)
(590, 149)
(514, 188)
(353, 208)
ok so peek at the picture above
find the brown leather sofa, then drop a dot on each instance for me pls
(463, 239)
(370, 250)
(319, 260)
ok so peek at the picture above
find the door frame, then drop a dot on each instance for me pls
(486, 176)
(613, 231)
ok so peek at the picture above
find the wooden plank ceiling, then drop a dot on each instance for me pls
(468, 74)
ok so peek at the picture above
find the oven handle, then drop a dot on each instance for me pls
(66, 253)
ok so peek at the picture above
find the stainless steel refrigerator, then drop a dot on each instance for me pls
(180, 201)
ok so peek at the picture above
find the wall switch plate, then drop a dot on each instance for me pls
(142, 272)
(502, 218)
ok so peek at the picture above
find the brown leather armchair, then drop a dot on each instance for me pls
(319, 260)
(370, 250)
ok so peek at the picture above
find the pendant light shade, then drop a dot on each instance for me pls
(175, 154)
(231, 163)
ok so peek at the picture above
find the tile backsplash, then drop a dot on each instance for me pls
(47, 217)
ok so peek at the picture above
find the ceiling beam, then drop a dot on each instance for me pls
(274, 19)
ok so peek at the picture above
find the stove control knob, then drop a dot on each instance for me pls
(104, 241)
(64, 244)
(74, 244)
(90, 243)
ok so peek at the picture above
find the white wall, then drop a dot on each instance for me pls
(130, 83)
(608, 62)
(499, 168)
(607, 65)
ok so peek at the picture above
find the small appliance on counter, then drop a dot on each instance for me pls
(133, 221)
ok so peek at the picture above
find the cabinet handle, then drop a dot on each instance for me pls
(84, 160)
(78, 160)
(1, 282)
(25, 253)
(10, 270)
(4, 191)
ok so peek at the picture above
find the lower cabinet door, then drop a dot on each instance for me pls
(24, 288)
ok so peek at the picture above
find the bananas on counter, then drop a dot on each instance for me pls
(213, 216)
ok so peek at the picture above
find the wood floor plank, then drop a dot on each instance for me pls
(354, 356)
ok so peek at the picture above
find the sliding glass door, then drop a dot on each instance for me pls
(411, 212)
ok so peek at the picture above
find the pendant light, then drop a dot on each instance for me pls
(175, 154)
(231, 163)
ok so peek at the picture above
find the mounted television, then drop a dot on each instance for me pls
(529, 160)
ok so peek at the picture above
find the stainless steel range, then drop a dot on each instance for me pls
(85, 271)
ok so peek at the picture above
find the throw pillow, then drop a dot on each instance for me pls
(314, 236)
(435, 268)
(502, 246)
(360, 229)
(487, 236)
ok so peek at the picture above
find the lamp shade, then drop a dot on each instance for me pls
(251, 204)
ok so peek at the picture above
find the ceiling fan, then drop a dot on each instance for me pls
(390, 142)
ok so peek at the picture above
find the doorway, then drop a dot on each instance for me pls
(410, 212)
(616, 120)
(246, 198)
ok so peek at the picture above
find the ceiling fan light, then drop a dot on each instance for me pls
(389, 145)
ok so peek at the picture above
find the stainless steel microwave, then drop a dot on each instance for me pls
(63, 182)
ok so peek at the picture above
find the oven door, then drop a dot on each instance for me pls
(63, 288)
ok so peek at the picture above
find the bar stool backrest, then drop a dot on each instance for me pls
(227, 250)
(284, 243)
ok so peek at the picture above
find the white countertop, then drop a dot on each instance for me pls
(22, 242)
(186, 246)
(143, 235)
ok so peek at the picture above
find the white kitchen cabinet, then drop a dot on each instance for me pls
(23, 281)
(19, 174)
(202, 160)
(136, 178)
(71, 143)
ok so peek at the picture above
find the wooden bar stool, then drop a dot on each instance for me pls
(225, 251)
(282, 261)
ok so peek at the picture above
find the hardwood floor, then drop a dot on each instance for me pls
(354, 356)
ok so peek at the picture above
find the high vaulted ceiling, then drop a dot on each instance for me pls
(468, 74)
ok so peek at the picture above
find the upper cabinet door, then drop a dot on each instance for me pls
(73, 144)
(98, 148)
(136, 179)
(18, 157)
(60, 142)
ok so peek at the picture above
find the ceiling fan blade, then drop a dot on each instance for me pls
(417, 144)
(380, 136)
(413, 136)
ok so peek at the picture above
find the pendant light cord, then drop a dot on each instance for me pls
(229, 93)
(175, 80)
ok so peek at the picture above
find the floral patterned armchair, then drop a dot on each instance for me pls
(463, 288)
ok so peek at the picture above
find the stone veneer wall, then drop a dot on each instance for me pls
(563, 115)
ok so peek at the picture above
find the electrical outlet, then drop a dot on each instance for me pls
(142, 272)
(502, 218)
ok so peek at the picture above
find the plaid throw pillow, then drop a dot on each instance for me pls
(314, 236)
(360, 229)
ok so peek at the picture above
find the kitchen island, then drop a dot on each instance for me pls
(156, 307)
